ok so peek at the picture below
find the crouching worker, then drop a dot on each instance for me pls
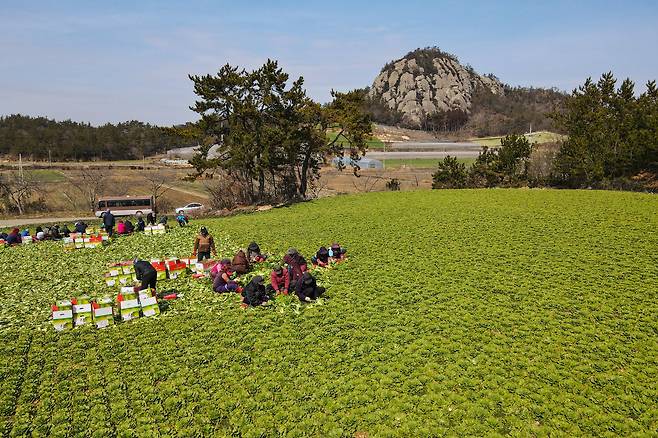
(254, 254)
(336, 253)
(307, 289)
(296, 264)
(321, 258)
(145, 272)
(254, 293)
(222, 281)
(240, 263)
(280, 280)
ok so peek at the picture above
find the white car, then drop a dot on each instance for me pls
(194, 207)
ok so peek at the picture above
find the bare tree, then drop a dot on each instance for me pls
(368, 183)
(16, 189)
(90, 184)
(157, 184)
(316, 187)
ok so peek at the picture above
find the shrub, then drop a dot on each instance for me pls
(450, 174)
(393, 184)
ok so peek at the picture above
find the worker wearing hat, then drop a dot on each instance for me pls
(204, 245)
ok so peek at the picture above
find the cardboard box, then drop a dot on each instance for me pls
(175, 274)
(82, 314)
(159, 229)
(110, 280)
(125, 279)
(103, 316)
(81, 299)
(128, 293)
(63, 319)
(129, 309)
(26, 239)
(149, 306)
(63, 305)
(204, 266)
(190, 262)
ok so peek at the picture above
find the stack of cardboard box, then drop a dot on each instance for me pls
(175, 268)
(103, 313)
(128, 304)
(161, 269)
(148, 303)
(62, 315)
(82, 310)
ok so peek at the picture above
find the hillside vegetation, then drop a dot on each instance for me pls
(468, 313)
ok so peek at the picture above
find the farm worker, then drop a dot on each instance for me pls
(254, 293)
(54, 233)
(254, 254)
(321, 258)
(280, 281)
(182, 220)
(336, 252)
(296, 264)
(224, 264)
(145, 272)
(121, 227)
(41, 235)
(203, 245)
(129, 226)
(65, 231)
(222, 282)
(240, 263)
(108, 222)
(80, 227)
(140, 224)
(150, 218)
(14, 238)
(307, 288)
(25, 233)
(163, 220)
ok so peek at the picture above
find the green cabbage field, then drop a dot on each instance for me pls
(473, 312)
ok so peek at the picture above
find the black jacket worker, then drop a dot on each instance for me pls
(145, 272)
(307, 288)
(254, 293)
(108, 221)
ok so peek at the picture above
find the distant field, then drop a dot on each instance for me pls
(422, 162)
(373, 143)
(46, 175)
(538, 137)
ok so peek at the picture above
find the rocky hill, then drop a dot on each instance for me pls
(429, 81)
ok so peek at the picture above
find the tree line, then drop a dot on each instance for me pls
(611, 141)
(40, 138)
(612, 133)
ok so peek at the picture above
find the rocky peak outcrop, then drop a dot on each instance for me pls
(427, 81)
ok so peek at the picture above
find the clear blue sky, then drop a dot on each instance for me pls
(122, 60)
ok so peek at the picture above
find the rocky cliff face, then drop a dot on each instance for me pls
(426, 82)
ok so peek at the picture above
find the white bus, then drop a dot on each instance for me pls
(125, 205)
